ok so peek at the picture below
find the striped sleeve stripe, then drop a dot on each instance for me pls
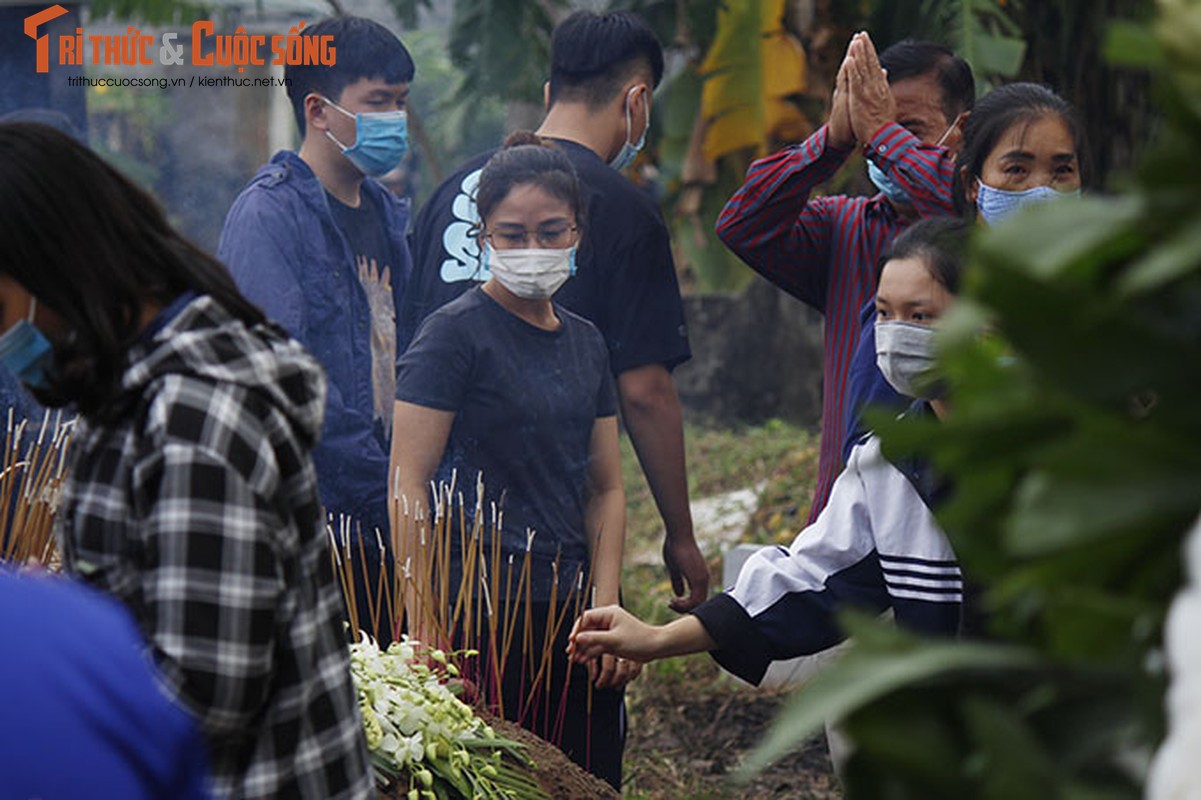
(938, 573)
(923, 579)
(919, 562)
(925, 584)
(926, 595)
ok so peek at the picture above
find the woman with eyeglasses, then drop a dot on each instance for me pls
(505, 384)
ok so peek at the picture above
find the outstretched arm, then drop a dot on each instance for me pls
(782, 605)
(613, 631)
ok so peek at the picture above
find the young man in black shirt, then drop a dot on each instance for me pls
(603, 70)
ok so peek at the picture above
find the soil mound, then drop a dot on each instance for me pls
(559, 776)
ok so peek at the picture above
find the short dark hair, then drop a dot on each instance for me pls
(365, 49)
(94, 248)
(997, 112)
(527, 159)
(592, 55)
(940, 243)
(910, 58)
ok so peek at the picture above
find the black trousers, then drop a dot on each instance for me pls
(548, 695)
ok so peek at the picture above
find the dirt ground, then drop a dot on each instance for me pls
(690, 730)
(559, 777)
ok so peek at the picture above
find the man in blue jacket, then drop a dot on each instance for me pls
(319, 245)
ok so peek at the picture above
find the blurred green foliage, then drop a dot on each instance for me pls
(128, 128)
(1072, 450)
(454, 131)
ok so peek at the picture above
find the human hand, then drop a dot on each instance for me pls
(871, 102)
(839, 132)
(611, 631)
(687, 569)
(613, 672)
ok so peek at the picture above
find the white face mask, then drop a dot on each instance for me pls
(530, 273)
(905, 354)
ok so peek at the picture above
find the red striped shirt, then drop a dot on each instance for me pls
(824, 250)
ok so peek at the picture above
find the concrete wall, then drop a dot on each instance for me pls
(756, 355)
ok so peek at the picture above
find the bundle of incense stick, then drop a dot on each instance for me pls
(474, 597)
(32, 469)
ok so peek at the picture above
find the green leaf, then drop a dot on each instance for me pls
(1133, 45)
(679, 97)
(1012, 762)
(1054, 238)
(407, 10)
(997, 55)
(865, 675)
(1052, 513)
(751, 69)
(715, 268)
(503, 47)
(1174, 258)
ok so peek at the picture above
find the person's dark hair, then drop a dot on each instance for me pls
(94, 248)
(940, 243)
(593, 55)
(45, 116)
(996, 113)
(910, 58)
(527, 159)
(365, 49)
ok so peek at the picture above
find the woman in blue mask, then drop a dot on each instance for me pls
(1021, 145)
(192, 497)
(507, 397)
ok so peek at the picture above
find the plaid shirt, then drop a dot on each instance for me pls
(198, 508)
(824, 250)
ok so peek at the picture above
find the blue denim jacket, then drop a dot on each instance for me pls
(15, 396)
(289, 257)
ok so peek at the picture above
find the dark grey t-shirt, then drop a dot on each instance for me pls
(525, 402)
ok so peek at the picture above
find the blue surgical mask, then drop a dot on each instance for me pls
(381, 140)
(26, 352)
(628, 152)
(995, 205)
(891, 189)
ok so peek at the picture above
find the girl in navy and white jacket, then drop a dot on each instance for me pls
(875, 546)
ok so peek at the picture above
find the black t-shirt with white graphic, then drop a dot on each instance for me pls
(625, 282)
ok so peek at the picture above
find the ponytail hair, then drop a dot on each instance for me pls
(526, 159)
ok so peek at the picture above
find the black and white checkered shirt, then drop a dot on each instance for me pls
(198, 508)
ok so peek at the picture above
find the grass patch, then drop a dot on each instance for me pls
(778, 454)
(677, 695)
